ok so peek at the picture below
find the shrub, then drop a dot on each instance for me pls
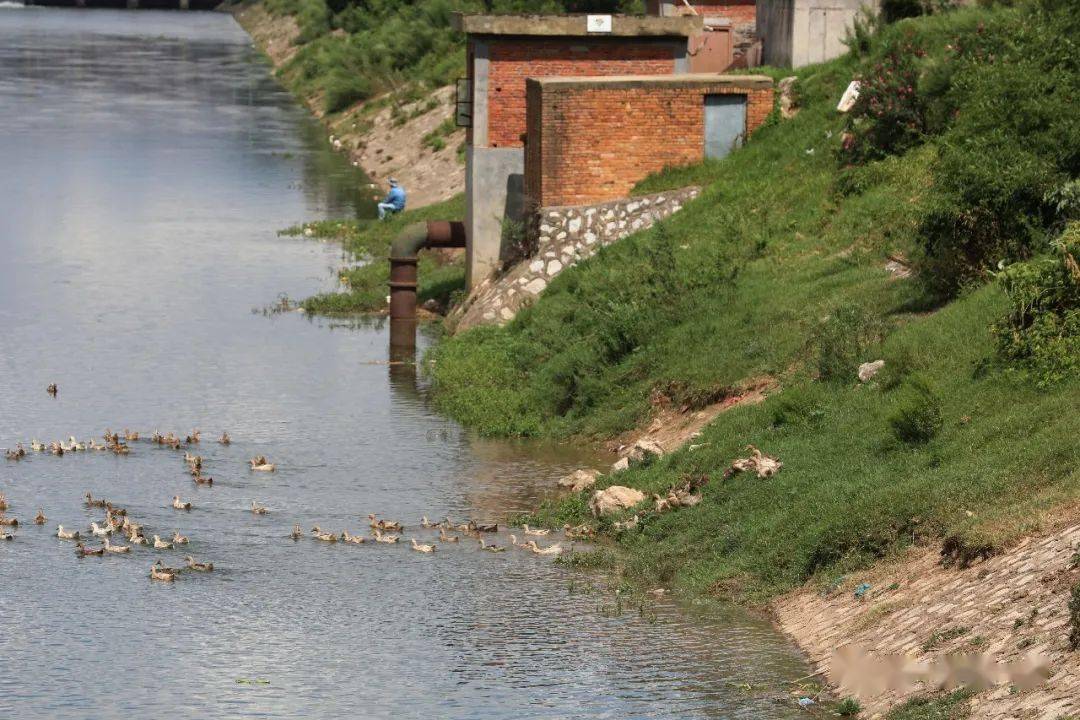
(889, 115)
(842, 341)
(848, 707)
(917, 416)
(343, 89)
(1041, 332)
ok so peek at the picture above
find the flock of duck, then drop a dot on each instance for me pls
(117, 522)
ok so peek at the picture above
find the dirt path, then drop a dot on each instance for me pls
(1009, 607)
(384, 143)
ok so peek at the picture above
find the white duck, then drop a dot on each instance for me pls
(66, 534)
(100, 531)
(109, 547)
(538, 532)
(160, 544)
(419, 547)
(555, 549)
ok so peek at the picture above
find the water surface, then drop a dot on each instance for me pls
(148, 159)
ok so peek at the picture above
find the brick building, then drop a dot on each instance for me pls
(649, 123)
(730, 37)
(505, 50)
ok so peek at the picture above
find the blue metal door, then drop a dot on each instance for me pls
(725, 124)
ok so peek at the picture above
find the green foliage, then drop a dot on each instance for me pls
(745, 282)
(351, 50)
(1041, 332)
(848, 707)
(842, 341)
(889, 115)
(917, 417)
(440, 276)
(953, 706)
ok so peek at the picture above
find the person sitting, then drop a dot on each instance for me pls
(394, 202)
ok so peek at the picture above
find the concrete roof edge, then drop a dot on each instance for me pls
(747, 81)
(574, 25)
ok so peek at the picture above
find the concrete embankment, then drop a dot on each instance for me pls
(1005, 618)
(382, 137)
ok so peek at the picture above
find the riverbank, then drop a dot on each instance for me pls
(406, 135)
(921, 400)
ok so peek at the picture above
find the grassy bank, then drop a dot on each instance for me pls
(441, 274)
(960, 158)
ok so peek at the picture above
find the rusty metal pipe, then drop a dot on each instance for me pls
(403, 259)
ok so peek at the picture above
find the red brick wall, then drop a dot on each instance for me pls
(593, 144)
(512, 60)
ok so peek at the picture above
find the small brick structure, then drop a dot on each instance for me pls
(590, 140)
(502, 52)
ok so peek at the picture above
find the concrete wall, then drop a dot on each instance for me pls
(648, 123)
(802, 32)
(494, 189)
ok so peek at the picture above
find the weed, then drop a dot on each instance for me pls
(848, 707)
(917, 417)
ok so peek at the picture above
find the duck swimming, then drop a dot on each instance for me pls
(91, 502)
(258, 509)
(388, 539)
(37, 446)
(7, 536)
(418, 547)
(83, 551)
(180, 505)
(109, 547)
(490, 548)
(3, 503)
(555, 549)
(160, 544)
(296, 533)
(179, 539)
(164, 574)
(225, 439)
(318, 533)
(538, 532)
(443, 537)
(66, 534)
(387, 525)
(259, 463)
(40, 518)
(198, 566)
(100, 531)
(354, 539)
(8, 522)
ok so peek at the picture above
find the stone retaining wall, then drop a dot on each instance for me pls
(565, 236)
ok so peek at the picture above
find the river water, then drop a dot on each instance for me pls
(147, 161)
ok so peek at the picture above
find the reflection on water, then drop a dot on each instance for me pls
(148, 160)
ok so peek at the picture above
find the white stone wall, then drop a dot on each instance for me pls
(566, 236)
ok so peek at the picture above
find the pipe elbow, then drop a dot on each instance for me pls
(409, 241)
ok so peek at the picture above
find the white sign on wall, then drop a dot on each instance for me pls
(598, 23)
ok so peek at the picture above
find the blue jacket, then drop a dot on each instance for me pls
(396, 197)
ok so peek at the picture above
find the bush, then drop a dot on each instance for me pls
(799, 406)
(345, 88)
(848, 707)
(889, 116)
(842, 341)
(1041, 332)
(917, 417)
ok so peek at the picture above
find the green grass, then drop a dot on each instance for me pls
(952, 706)
(369, 242)
(778, 269)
